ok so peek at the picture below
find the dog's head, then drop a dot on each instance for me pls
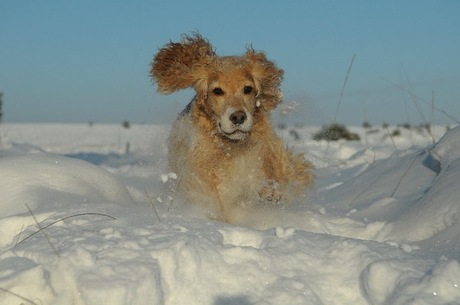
(229, 89)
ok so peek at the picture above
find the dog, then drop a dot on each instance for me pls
(222, 147)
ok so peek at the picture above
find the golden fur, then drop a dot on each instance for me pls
(222, 147)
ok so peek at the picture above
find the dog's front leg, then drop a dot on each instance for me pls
(271, 191)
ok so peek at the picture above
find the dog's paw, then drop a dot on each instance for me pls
(271, 191)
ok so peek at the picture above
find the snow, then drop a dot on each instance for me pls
(381, 225)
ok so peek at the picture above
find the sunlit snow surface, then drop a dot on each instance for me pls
(381, 225)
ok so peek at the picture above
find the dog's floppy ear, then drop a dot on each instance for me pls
(268, 79)
(180, 65)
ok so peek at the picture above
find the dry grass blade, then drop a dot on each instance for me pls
(153, 206)
(343, 87)
(414, 96)
(41, 230)
(18, 296)
(402, 177)
(390, 135)
(62, 219)
(19, 235)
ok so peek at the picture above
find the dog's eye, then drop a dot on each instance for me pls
(218, 91)
(247, 89)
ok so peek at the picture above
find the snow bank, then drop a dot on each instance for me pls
(376, 230)
(413, 191)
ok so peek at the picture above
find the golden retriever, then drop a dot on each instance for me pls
(223, 148)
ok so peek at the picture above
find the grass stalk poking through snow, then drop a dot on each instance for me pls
(385, 125)
(18, 296)
(343, 87)
(415, 97)
(41, 229)
(153, 205)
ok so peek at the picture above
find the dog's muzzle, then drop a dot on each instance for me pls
(235, 124)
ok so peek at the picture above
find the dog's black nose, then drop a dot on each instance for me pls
(238, 117)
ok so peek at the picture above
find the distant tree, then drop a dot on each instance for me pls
(282, 126)
(335, 132)
(407, 125)
(294, 134)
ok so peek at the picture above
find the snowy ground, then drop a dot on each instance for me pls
(381, 226)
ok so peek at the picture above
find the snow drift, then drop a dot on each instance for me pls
(381, 227)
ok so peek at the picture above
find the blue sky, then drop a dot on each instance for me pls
(81, 61)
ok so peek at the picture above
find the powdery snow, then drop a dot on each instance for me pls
(381, 225)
